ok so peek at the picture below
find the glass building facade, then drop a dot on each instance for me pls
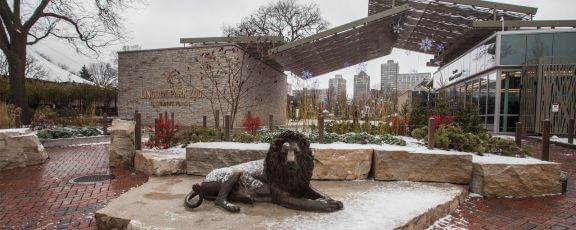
(490, 74)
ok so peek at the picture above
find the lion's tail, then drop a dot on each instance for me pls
(195, 192)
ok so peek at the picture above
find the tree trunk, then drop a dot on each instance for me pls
(16, 70)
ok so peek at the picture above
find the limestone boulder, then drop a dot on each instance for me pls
(341, 164)
(122, 149)
(202, 158)
(20, 148)
(160, 162)
(423, 167)
(516, 180)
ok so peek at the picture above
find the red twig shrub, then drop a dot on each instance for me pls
(443, 120)
(251, 124)
(164, 133)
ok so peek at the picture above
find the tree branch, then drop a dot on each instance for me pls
(81, 36)
(36, 15)
(3, 38)
(7, 17)
(17, 12)
(37, 39)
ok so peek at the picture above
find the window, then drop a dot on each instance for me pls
(538, 45)
(565, 44)
(513, 50)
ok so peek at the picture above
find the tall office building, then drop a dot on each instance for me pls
(389, 78)
(361, 88)
(336, 90)
(407, 81)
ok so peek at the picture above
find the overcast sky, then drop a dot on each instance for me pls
(160, 24)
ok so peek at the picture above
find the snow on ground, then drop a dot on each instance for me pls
(231, 145)
(385, 206)
(446, 223)
(17, 131)
(412, 146)
(497, 159)
(559, 139)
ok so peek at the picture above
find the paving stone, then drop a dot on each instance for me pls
(40, 197)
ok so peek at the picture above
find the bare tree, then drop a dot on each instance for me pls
(284, 18)
(103, 74)
(90, 24)
(33, 69)
(229, 77)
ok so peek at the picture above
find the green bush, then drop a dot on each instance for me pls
(357, 138)
(420, 133)
(454, 138)
(245, 138)
(67, 132)
(198, 135)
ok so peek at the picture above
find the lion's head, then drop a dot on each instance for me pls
(289, 163)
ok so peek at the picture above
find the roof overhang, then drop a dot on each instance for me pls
(255, 46)
(449, 23)
(342, 46)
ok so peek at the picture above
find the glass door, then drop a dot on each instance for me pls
(510, 100)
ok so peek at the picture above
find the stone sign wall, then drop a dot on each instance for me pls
(184, 81)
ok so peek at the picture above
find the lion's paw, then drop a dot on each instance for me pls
(228, 206)
(330, 205)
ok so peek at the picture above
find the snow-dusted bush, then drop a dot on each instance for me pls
(68, 132)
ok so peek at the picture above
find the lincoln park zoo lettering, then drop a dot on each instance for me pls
(178, 97)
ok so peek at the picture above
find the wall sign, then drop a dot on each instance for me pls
(555, 107)
(177, 96)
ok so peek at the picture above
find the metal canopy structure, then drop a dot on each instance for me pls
(448, 23)
(443, 28)
(343, 46)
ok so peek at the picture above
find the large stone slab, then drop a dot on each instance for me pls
(160, 162)
(431, 167)
(158, 204)
(202, 158)
(501, 177)
(122, 147)
(20, 148)
(341, 164)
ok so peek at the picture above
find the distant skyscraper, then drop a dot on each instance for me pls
(407, 81)
(336, 90)
(361, 88)
(389, 78)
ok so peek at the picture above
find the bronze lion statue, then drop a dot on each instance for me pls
(282, 178)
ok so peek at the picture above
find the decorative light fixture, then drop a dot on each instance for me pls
(362, 67)
(440, 47)
(426, 44)
(306, 74)
(397, 28)
(346, 64)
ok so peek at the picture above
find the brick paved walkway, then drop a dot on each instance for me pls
(557, 212)
(41, 197)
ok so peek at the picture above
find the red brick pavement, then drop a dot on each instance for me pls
(554, 212)
(41, 197)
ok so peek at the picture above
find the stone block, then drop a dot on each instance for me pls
(200, 160)
(160, 163)
(342, 164)
(20, 148)
(122, 147)
(516, 180)
(424, 167)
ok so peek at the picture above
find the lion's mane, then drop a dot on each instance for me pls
(296, 182)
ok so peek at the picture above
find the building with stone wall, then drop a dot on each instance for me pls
(192, 82)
